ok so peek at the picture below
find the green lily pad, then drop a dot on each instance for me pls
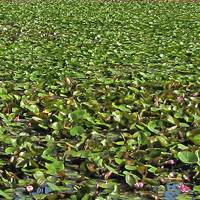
(5, 195)
(187, 157)
(77, 130)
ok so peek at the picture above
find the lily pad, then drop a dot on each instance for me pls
(187, 157)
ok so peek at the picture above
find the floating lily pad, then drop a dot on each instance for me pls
(187, 157)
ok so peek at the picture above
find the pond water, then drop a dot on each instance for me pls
(171, 192)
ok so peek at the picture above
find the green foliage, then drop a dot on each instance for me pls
(107, 95)
(187, 157)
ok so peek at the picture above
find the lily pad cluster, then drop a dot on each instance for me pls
(98, 99)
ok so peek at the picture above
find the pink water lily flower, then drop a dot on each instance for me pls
(29, 188)
(139, 185)
(180, 98)
(16, 119)
(27, 102)
(184, 188)
(196, 94)
(171, 162)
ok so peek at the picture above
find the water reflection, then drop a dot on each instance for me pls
(44, 190)
(171, 192)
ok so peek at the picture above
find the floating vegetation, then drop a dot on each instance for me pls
(99, 100)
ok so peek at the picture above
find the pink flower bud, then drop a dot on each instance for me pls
(139, 185)
(171, 162)
(16, 119)
(180, 98)
(29, 188)
(29, 124)
(27, 102)
(184, 188)
(195, 94)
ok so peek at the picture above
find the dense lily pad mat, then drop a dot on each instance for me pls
(96, 97)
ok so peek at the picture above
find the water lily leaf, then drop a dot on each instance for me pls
(77, 130)
(187, 157)
(142, 169)
(133, 89)
(123, 108)
(195, 131)
(196, 188)
(107, 184)
(184, 125)
(5, 195)
(34, 109)
(111, 169)
(59, 118)
(49, 150)
(163, 140)
(48, 157)
(130, 167)
(41, 196)
(22, 163)
(115, 192)
(151, 126)
(183, 196)
(3, 91)
(182, 147)
(197, 153)
(117, 116)
(52, 167)
(152, 169)
(91, 168)
(140, 127)
(130, 179)
(119, 161)
(33, 164)
(44, 127)
(37, 119)
(57, 125)
(173, 120)
(76, 115)
(86, 197)
(195, 139)
(11, 117)
(152, 129)
(10, 150)
(72, 197)
(2, 116)
(54, 187)
(149, 181)
(153, 154)
(39, 175)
